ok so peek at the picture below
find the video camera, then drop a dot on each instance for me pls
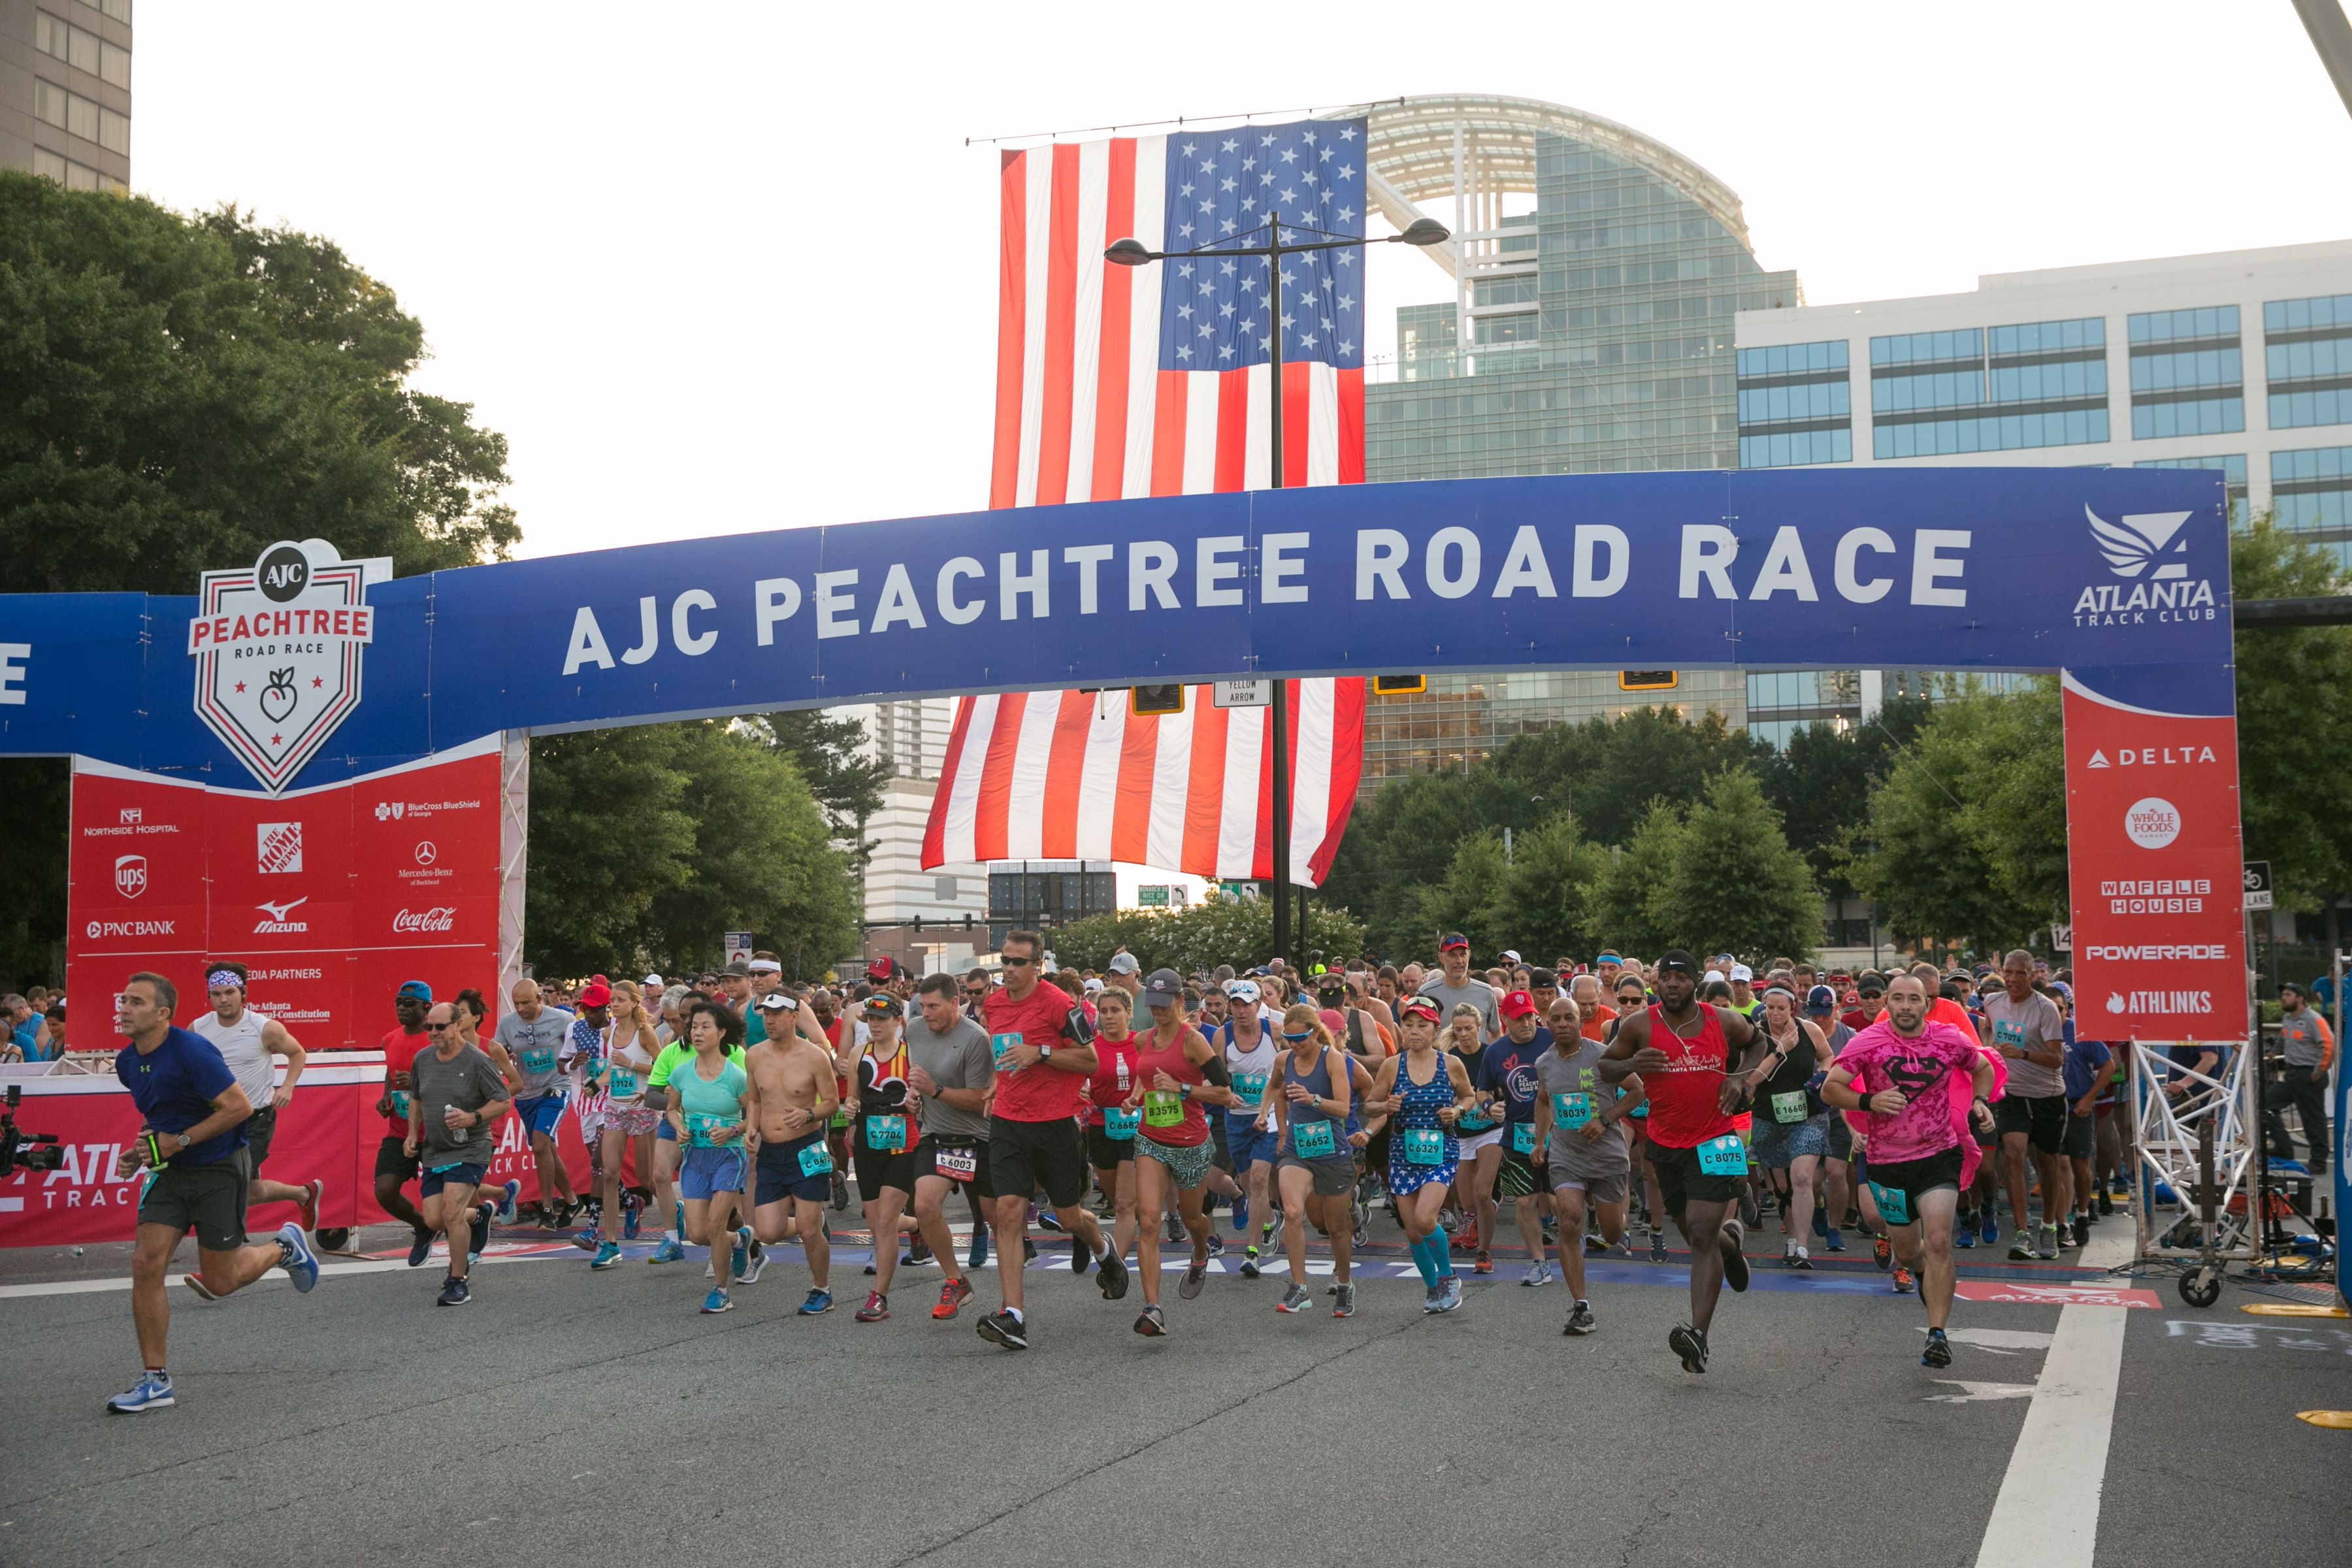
(27, 1150)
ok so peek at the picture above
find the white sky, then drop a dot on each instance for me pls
(724, 266)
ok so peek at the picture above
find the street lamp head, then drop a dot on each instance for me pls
(1128, 253)
(1425, 231)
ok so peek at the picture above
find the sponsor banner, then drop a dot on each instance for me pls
(331, 1131)
(2154, 857)
(2024, 1295)
(332, 897)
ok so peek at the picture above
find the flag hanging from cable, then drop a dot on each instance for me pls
(1071, 776)
(1121, 382)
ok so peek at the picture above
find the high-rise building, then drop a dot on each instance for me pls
(2239, 361)
(64, 91)
(1591, 334)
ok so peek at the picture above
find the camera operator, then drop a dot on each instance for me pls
(192, 1137)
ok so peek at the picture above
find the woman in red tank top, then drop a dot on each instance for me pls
(1111, 1127)
(1177, 1072)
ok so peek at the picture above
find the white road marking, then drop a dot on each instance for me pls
(2047, 1515)
(2002, 1341)
(122, 1281)
(1978, 1393)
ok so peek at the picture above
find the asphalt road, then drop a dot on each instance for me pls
(567, 1417)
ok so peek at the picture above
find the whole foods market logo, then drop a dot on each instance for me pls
(277, 646)
(2152, 822)
(2148, 555)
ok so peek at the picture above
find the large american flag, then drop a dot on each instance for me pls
(1117, 382)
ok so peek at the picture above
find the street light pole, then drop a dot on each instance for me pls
(1133, 253)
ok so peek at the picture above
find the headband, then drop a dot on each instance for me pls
(225, 977)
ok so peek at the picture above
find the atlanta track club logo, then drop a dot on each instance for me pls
(2147, 554)
(277, 646)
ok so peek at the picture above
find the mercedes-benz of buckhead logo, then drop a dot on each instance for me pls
(276, 646)
(2142, 541)
(426, 853)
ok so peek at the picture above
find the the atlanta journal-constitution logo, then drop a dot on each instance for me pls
(277, 646)
(2148, 556)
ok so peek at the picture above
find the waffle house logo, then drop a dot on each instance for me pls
(277, 646)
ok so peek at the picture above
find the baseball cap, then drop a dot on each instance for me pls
(1820, 999)
(1741, 971)
(1421, 1007)
(1517, 1005)
(1510, 956)
(595, 993)
(1164, 989)
(1537, 978)
(1242, 990)
(1712, 975)
(414, 989)
(1334, 1020)
(1452, 940)
(654, 980)
(1678, 962)
(735, 971)
(1124, 964)
(882, 968)
(1093, 983)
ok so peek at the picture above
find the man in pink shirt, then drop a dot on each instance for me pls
(1897, 1070)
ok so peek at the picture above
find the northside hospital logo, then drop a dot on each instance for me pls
(277, 646)
(2148, 556)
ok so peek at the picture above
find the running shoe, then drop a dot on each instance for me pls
(1195, 1276)
(1551, 1228)
(1293, 1300)
(711, 1272)
(740, 1264)
(1836, 1241)
(1882, 1251)
(1002, 1328)
(151, 1392)
(549, 1219)
(1028, 1250)
(1080, 1259)
(1249, 1263)
(819, 1302)
(1691, 1345)
(307, 1206)
(1269, 1235)
(1822, 1223)
(1174, 1229)
(2021, 1249)
(1593, 1245)
(1904, 1284)
(1658, 1247)
(1938, 1352)
(1344, 1302)
(607, 1254)
(198, 1289)
(455, 1293)
(877, 1308)
(1482, 1264)
(1580, 1321)
(2049, 1241)
(1623, 1248)
(977, 1257)
(2083, 1229)
(1803, 1259)
(1241, 1213)
(1216, 1245)
(1990, 1229)
(1151, 1323)
(953, 1294)
(918, 1251)
(420, 1247)
(717, 1301)
(2107, 1204)
(1748, 1214)
(840, 1192)
(1111, 1276)
(1735, 1262)
(1359, 1238)
(631, 1207)
(1537, 1274)
(585, 1240)
(1431, 1296)
(755, 1264)
(295, 1256)
(1049, 1222)
(1964, 1233)
(1449, 1295)
(511, 1191)
(667, 1250)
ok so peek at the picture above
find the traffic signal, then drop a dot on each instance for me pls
(1155, 702)
(1400, 685)
(1646, 680)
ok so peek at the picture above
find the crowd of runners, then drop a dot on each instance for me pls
(1596, 1103)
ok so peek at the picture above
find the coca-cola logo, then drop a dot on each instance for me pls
(440, 918)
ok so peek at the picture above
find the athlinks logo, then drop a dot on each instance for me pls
(2148, 555)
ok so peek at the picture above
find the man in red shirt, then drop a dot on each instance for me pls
(1033, 1139)
(1684, 1051)
(394, 1166)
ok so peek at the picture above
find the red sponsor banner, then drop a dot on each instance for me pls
(2156, 861)
(2019, 1293)
(331, 1132)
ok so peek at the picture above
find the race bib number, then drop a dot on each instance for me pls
(624, 1083)
(1423, 1146)
(1472, 1121)
(1724, 1157)
(2008, 1033)
(1894, 1204)
(400, 1102)
(1523, 1137)
(816, 1160)
(955, 1164)
(699, 1127)
(1791, 1107)
(1571, 1109)
(840, 1116)
(1251, 1087)
(886, 1134)
(1312, 1140)
(1119, 1123)
(537, 1058)
(999, 1045)
(1162, 1108)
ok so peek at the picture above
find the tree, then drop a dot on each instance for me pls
(33, 827)
(2294, 729)
(828, 752)
(609, 829)
(1548, 903)
(1628, 900)
(1734, 886)
(1820, 781)
(1239, 931)
(1921, 854)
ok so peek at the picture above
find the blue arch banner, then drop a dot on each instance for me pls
(2119, 576)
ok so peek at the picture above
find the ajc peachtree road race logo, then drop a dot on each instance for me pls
(2149, 557)
(277, 646)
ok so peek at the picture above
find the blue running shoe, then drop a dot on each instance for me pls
(511, 1191)
(669, 1250)
(420, 1246)
(742, 1257)
(819, 1302)
(1216, 1246)
(1991, 1230)
(302, 1267)
(151, 1392)
(978, 1257)
(717, 1301)
(607, 1254)
(1964, 1233)
(1241, 1213)
(1835, 1240)
(1821, 1224)
(631, 1207)
(586, 1240)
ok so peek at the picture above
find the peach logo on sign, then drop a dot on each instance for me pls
(2153, 822)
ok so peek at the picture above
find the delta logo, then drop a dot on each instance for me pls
(2148, 556)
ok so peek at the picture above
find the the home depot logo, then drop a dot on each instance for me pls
(277, 847)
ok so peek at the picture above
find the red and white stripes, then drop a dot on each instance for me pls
(1070, 776)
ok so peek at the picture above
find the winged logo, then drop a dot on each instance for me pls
(2142, 541)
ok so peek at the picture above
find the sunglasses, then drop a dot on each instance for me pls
(1016, 962)
(436, 1028)
(1293, 1039)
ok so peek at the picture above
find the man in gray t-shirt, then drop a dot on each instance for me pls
(952, 1068)
(538, 1039)
(1453, 985)
(455, 1095)
(2025, 1028)
(1590, 1168)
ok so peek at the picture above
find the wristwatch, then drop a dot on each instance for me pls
(1044, 1050)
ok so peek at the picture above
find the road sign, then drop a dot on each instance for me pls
(2062, 939)
(1647, 680)
(1152, 896)
(2258, 885)
(1242, 693)
(739, 947)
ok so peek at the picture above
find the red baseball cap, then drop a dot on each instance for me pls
(1518, 1004)
(1420, 1006)
(595, 993)
(1452, 940)
(883, 968)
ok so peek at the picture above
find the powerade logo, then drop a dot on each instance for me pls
(2158, 952)
(2149, 558)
